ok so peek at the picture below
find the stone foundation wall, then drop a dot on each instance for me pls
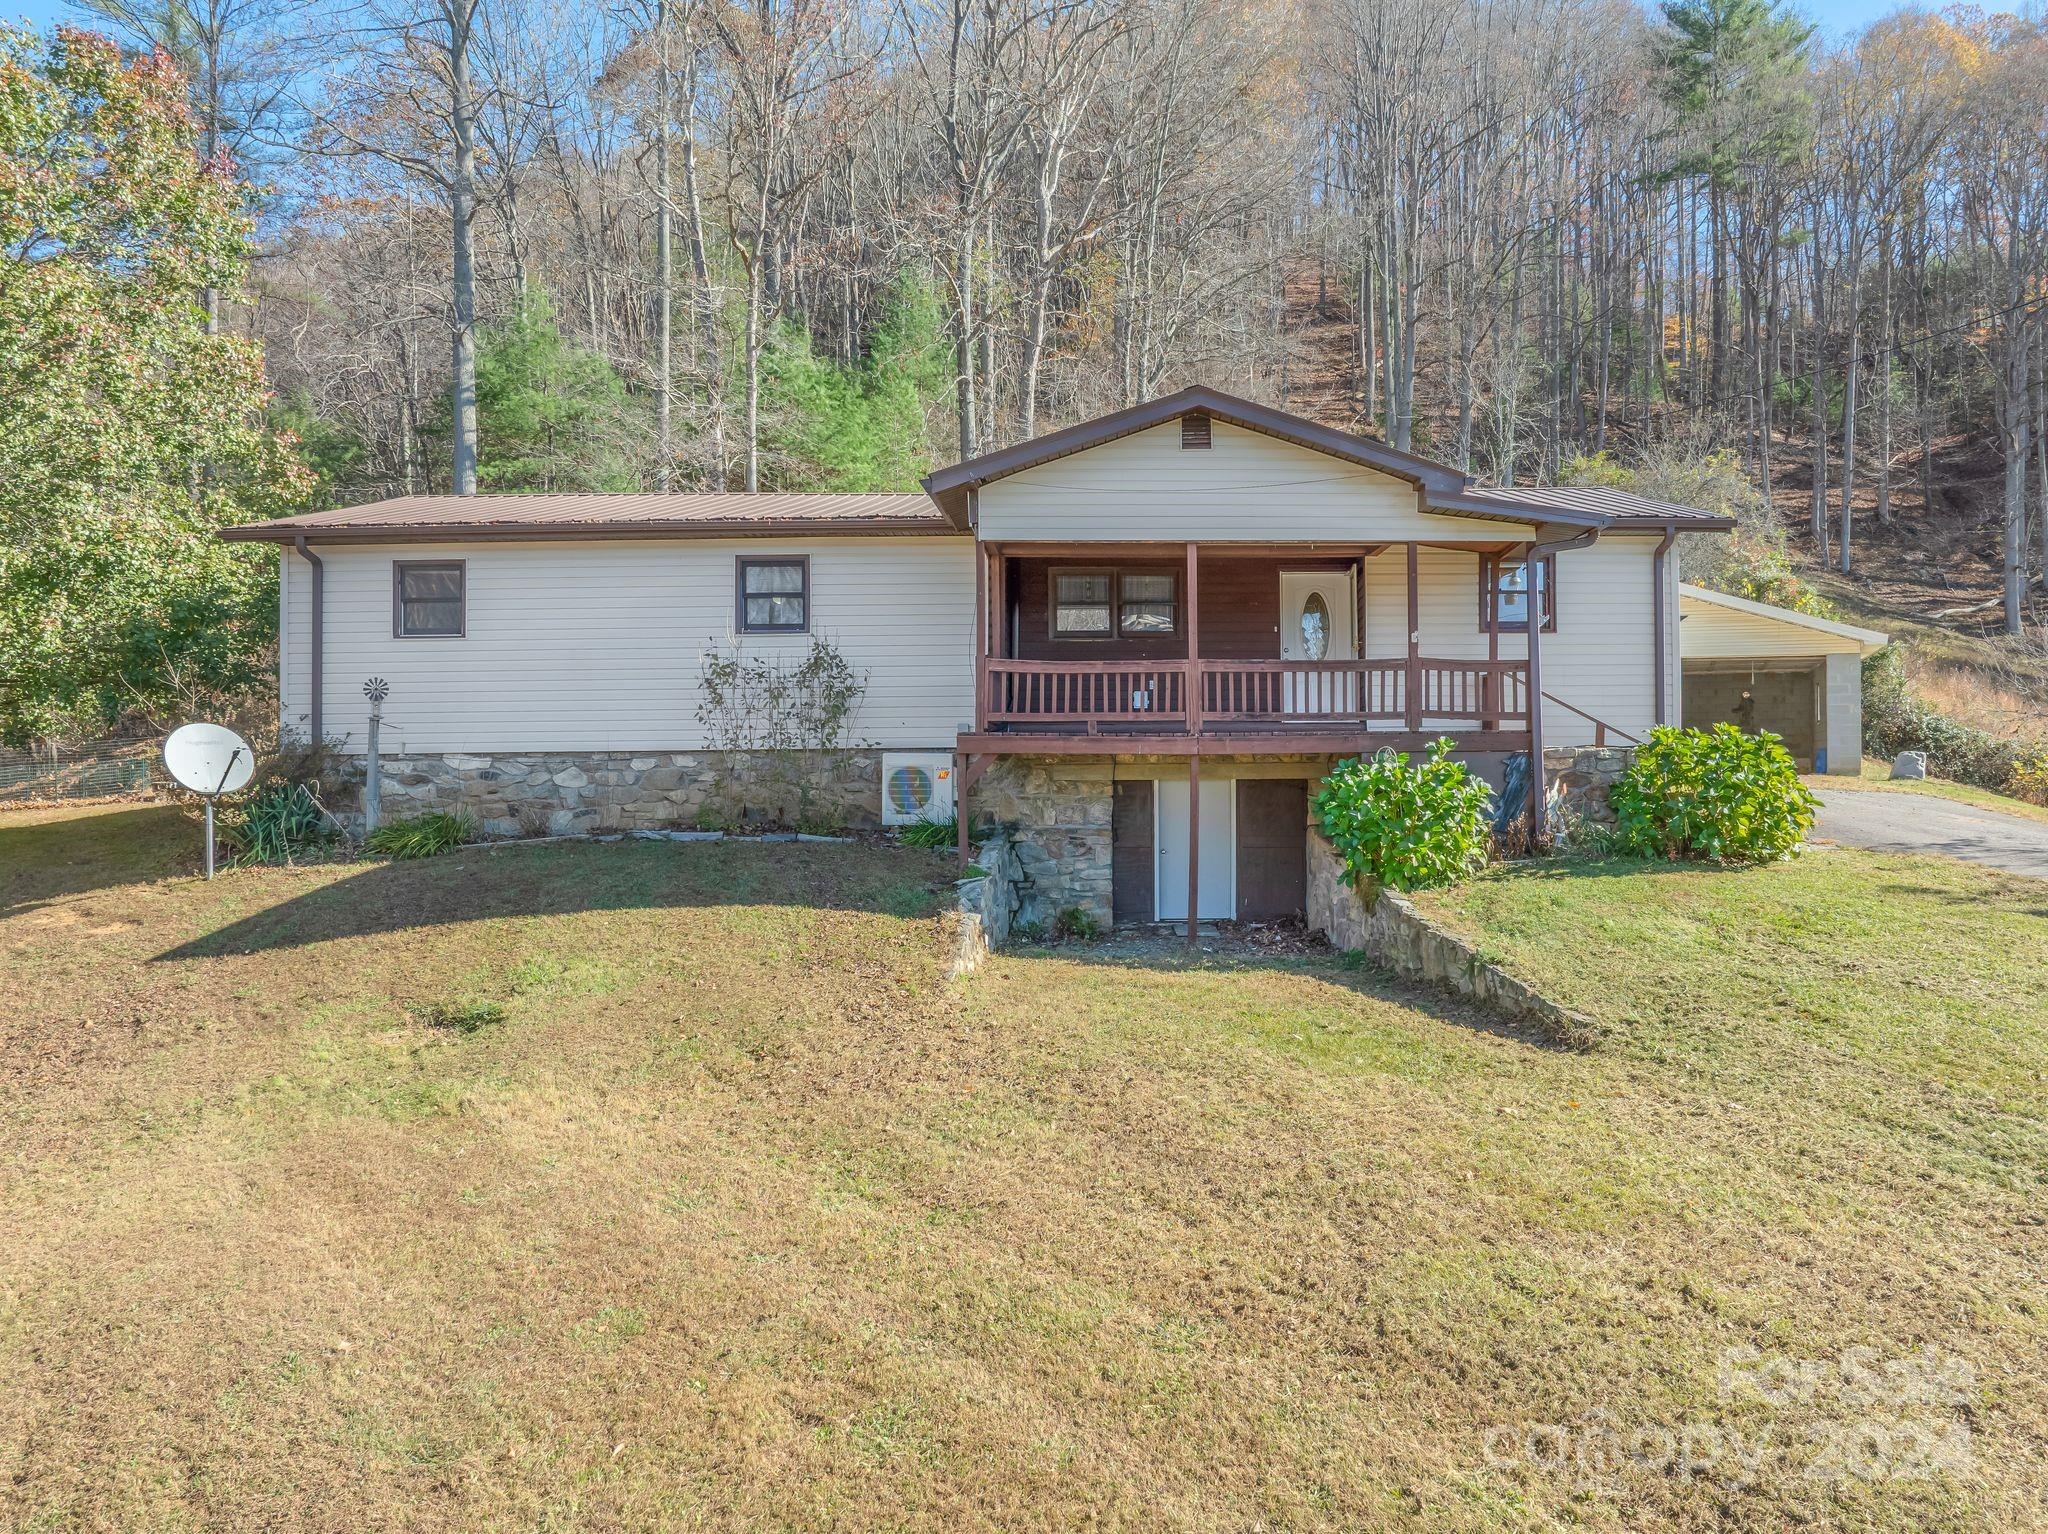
(1393, 933)
(1580, 776)
(1056, 812)
(558, 794)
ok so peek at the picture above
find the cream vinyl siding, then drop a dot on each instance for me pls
(1246, 488)
(597, 646)
(1712, 632)
(1600, 658)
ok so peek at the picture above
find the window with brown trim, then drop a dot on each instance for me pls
(773, 595)
(1145, 603)
(1083, 604)
(428, 598)
(1504, 593)
(1101, 604)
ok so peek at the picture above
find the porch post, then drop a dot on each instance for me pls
(1194, 677)
(1194, 836)
(1411, 688)
(959, 802)
(1535, 601)
(981, 646)
(999, 604)
(1489, 594)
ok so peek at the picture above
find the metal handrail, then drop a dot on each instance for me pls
(1601, 728)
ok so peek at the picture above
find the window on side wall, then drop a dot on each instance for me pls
(1504, 595)
(427, 598)
(774, 596)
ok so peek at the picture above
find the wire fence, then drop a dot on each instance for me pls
(91, 771)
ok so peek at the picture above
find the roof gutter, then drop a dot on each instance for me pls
(317, 658)
(286, 531)
(1657, 557)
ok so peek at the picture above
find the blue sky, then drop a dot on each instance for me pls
(1835, 18)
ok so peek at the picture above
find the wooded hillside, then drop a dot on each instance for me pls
(828, 243)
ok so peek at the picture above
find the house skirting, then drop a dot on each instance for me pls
(564, 793)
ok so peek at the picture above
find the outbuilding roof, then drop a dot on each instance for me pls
(1865, 641)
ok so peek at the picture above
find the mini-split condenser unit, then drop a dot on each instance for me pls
(916, 785)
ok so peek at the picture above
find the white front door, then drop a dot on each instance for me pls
(1217, 897)
(1317, 622)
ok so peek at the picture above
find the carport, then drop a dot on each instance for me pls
(1769, 668)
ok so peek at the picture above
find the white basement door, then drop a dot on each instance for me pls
(1218, 873)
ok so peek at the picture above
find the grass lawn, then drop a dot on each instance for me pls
(1877, 777)
(741, 1217)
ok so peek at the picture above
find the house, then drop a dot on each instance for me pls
(1768, 668)
(1139, 640)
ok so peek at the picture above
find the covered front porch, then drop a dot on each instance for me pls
(1191, 649)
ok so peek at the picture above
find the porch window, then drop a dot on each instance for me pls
(774, 596)
(1081, 604)
(1504, 593)
(1145, 604)
(427, 599)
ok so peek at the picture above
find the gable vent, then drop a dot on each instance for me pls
(1194, 431)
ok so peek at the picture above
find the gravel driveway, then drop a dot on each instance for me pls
(1909, 822)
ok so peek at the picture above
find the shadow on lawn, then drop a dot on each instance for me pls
(1229, 953)
(509, 881)
(49, 855)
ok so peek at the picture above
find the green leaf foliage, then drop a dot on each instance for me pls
(551, 415)
(128, 434)
(275, 824)
(420, 836)
(1716, 794)
(827, 426)
(1896, 719)
(1405, 825)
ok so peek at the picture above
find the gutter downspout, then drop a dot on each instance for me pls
(1657, 607)
(1537, 553)
(319, 648)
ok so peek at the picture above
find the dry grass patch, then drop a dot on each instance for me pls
(733, 1215)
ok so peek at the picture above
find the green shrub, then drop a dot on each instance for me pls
(465, 1016)
(420, 836)
(278, 822)
(936, 834)
(1075, 922)
(1714, 793)
(1402, 825)
(1894, 720)
(2029, 779)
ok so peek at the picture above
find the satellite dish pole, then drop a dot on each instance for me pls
(210, 760)
(376, 690)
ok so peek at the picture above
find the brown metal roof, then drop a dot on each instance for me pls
(1621, 508)
(723, 514)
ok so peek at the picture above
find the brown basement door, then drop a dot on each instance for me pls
(1272, 848)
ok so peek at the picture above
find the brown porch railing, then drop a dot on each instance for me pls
(1087, 692)
(1319, 691)
(1490, 694)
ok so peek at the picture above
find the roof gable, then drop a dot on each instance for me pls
(949, 487)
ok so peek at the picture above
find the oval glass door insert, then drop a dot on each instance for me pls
(1315, 627)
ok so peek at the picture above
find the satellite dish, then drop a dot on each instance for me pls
(209, 759)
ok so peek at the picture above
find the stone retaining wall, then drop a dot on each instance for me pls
(556, 794)
(1393, 933)
(1055, 811)
(1580, 776)
(989, 898)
